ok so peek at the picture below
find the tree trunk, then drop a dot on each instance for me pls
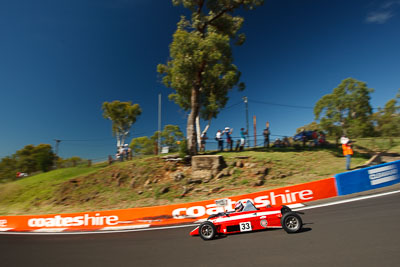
(198, 129)
(191, 125)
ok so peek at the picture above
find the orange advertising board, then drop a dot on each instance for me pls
(165, 215)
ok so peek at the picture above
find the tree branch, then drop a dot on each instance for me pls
(222, 12)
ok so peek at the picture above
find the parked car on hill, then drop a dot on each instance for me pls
(305, 134)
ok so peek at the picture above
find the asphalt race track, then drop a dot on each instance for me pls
(361, 233)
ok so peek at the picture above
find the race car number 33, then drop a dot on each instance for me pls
(245, 226)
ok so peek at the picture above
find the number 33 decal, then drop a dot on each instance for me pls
(245, 226)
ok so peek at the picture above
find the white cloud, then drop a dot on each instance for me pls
(383, 13)
(379, 17)
(390, 4)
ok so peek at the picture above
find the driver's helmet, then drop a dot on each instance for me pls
(239, 206)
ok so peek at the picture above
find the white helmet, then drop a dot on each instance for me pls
(239, 206)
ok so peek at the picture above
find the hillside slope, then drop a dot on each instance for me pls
(151, 181)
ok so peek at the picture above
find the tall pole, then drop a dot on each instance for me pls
(247, 118)
(57, 144)
(159, 123)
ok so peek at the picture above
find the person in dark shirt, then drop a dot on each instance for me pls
(229, 141)
(266, 134)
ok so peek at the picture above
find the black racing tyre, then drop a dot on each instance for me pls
(285, 209)
(291, 222)
(207, 230)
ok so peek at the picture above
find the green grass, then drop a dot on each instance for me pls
(377, 144)
(139, 182)
(22, 194)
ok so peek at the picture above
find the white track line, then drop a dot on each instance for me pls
(349, 200)
(50, 230)
(5, 229)
(127, 227)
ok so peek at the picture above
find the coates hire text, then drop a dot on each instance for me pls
(86, 220)
(262, 201)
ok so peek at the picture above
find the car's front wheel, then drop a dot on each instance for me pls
(291, 222)
(207, 230)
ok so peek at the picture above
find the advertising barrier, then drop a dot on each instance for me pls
(369, 178)
(164, 215)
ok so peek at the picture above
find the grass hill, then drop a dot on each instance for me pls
(150, 181)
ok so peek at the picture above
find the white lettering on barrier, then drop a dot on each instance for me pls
(84, 220)
(3, 223)
(261, 201)
(383, 174)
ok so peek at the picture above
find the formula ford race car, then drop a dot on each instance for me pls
(249, 219)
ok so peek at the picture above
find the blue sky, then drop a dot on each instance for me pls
(60, 60)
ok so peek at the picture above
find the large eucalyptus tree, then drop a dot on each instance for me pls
(201, 69)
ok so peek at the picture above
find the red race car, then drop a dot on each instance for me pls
(246, 218)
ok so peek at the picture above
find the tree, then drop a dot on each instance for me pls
(201, 69)
(170, 137)
(388, 118)
(44, 157)
(313, 126)
(69, 162)
(8, 169)
(142, 145)
(347, 110)
(123, 115)
(25, 160)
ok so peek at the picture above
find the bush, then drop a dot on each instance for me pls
(183, 150)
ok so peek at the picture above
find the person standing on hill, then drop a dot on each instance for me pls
(347, 150)
(220, 141)
(229, 142)
(203, 138)
(266, 135)
(243, 134)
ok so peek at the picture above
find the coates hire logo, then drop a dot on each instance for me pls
(83, 220)
(3, 223)
(383, 174)
(285, 198)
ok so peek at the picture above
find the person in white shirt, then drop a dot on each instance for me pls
(220, 141)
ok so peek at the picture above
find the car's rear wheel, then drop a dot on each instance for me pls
(291, 222)
(207, 230)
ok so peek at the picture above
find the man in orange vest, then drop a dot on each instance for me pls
(347, 150)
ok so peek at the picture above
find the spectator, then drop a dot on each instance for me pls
(220, 141)
(286, 142)
(229, 142)
(118, 155)
(278, 143)
(322, 140)
(126, 152)
(266, 134)
(314, 137)
(203, 138)
(121, 153)
(347, 150)
(243, 134)
(237, 148)
(304, 138)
